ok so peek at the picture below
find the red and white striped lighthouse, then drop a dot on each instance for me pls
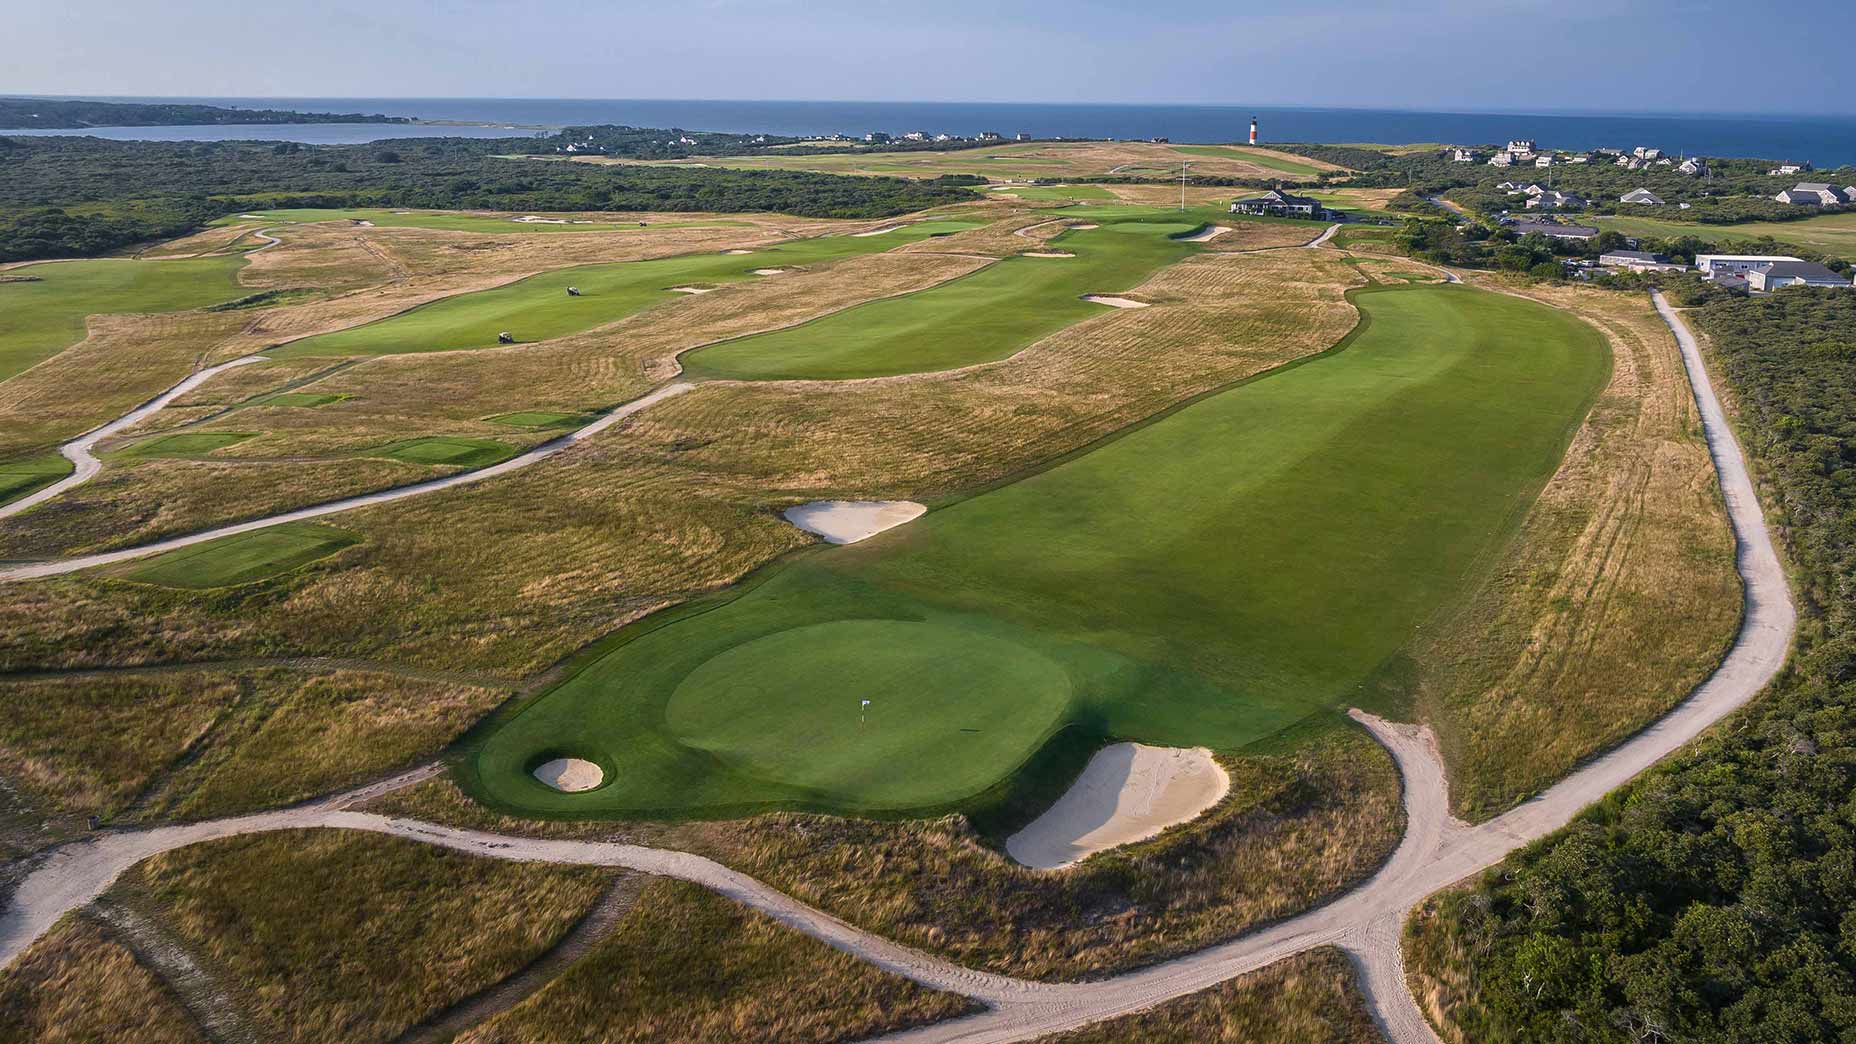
(1253, 130)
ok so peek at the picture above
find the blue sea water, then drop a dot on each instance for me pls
(1826, 141)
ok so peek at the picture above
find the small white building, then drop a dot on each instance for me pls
(1693, 166)
(1638, 261)
(1713, 265)
(1789, 168)
(1552, 200)
(1545, 160)
(1463, 156)
(1502, 159)
(1642, 195)
(1781, 274)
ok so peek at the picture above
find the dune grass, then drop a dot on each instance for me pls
(1211, 578)
(1262, 158)
(76, 985)
(977, 318)
(450, 221)
(539, 308)
(541, 419)
(301, 400)
(241, 558)
(446, 449)
(21, 478)
(1054, 192)
(45, 305)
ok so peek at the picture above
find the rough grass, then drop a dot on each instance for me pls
(1297, 828)
(455, 221)
(187, 444)
(1826, 233)
(201, 742)
(76, 985)
(438, 449)
(344, 936)
(1617, 597)
(1310, 998)
(1032, 160)
(687, 965)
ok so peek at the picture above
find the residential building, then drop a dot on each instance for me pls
(1502, 159)
(991, 136)
(1789, 168)
(915, 136)
(1580, 158)
(1642, 195)
(1278, 203)
(1521, 145)
(1715, 265)
(876, 137)
(1781, 274)
(1543, 160)
(1464, 155)
(1549, 199)
(1646, 154)
(1693, 166)
(1554, 231)
(1817, 194)
(1024, 136)
(1638, 261)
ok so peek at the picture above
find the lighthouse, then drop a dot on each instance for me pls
(1253, 130)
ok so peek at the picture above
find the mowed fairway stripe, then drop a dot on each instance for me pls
(976, 318)
(1208, 579)
(538, 308)
(43, 306)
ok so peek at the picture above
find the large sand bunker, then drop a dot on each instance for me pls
(570, 775)
(1208, 235)
(848, 521)
(1128, 792)
(1114, 302)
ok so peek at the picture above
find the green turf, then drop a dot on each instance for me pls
(539, 308)
(187, 443)
(977, 318)
(1050, 192)
(1249, 155)
(43, 307)
(242, 558)
(444, 449)
(1214, 577)
(542, 419)
(454, 222)
(21, 478)
(302, 400)
(1826, 233)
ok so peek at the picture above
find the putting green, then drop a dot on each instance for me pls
(241, 558)
(24, 477)
(455, 222)
(1211, 578)
(447, 449)
(43, 306)
(538, 308)
(987, 315)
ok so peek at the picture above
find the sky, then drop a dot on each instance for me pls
(1455, 55)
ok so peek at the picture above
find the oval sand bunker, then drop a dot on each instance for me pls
(570, 775)
(848, 521)
(1128, 792)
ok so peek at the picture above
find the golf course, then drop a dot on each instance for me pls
(539, 308)
(977, 318)
(1209, 578)
(448, 221)
(45, 305)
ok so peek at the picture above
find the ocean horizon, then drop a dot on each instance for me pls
(1824, 140)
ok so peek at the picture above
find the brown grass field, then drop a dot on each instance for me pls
(1306, 999)
(1617, 597)
(79, 986)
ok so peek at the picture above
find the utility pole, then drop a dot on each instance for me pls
(1182, 184)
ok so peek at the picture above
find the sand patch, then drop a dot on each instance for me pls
(848, 521)
(1083, 228)
(1128, 792)
(1208, 235)
(737, 251)
(363, 224)
(570, 775)
(875, 232)
(694, 289)
(768, 271)
(1114, 302)
(1046, 253)
(531, 219)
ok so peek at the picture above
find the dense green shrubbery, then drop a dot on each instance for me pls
(69, 197)
(1715, 900)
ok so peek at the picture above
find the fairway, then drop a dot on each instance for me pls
(447, 221)
(1827, 233)
(977, 318)
(23, 477)
(43, 306)
(1208, 579)
(186, 444)
(1273, 161)
(242, 558)
(1058, 192)
(539, 308)
(447, 450)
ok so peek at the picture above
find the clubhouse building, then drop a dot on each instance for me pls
(1277, 203)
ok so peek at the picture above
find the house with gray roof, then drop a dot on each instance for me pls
(1642, 195)
(1817, 194)
(1781, 274)
(1554, 231)
(1278, 203)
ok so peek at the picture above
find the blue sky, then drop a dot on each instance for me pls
(1516, 55)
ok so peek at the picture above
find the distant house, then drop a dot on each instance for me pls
(876, 137)
(1278, 203)
(1580, 158)
(1464, 155)
(1716, 265)
(1642, 195)
(1543, 160)
(1025, 136)
(1510, 187)
(1551, 200)
(1502, 159)
(1646, 154)
(1789, 168)
(1161, 141)
(1555, 231)
(1638, 261)
(915, 136)
(1816, 194)
(1627, 161)
(1693, 166)
(1781, 274)
(1524, 145)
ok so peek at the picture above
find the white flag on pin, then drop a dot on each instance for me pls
(866, 703)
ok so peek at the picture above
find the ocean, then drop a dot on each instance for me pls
(1826, 141)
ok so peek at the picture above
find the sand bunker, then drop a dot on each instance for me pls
(694, 289)
(364, 224)
(570, 775)
(1084, 228)
(737, 251)
(1128, 792)
(768, 271)
(1114, 302)
(1046, 253)
(1208, 235)
(875, 232)
(531, 219)
(848, 521)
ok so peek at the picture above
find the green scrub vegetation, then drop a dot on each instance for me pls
(539, 308)
(1212, 578)
(43, 307)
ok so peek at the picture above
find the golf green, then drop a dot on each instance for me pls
(44, 306)
(242, 557)
(977, 318)
(1210, 578)
(539, 308)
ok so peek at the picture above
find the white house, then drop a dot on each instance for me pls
(1502, 159)
(1642, 195)
(1638, 261)
(1521, 145)
(1713, 265)
(1693, 166)
(1789, 168)
(1781, 274)
(1463, 155)
(1551, 200)
(1544, 160)
(1817, 194)
(1553, 231)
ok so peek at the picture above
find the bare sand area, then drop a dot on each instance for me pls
(1128, 792)
(768, 271)
(874, 232)
(570, 775)
(848, 521)
(1114, 302)
(1208, 235)
(694, 289)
